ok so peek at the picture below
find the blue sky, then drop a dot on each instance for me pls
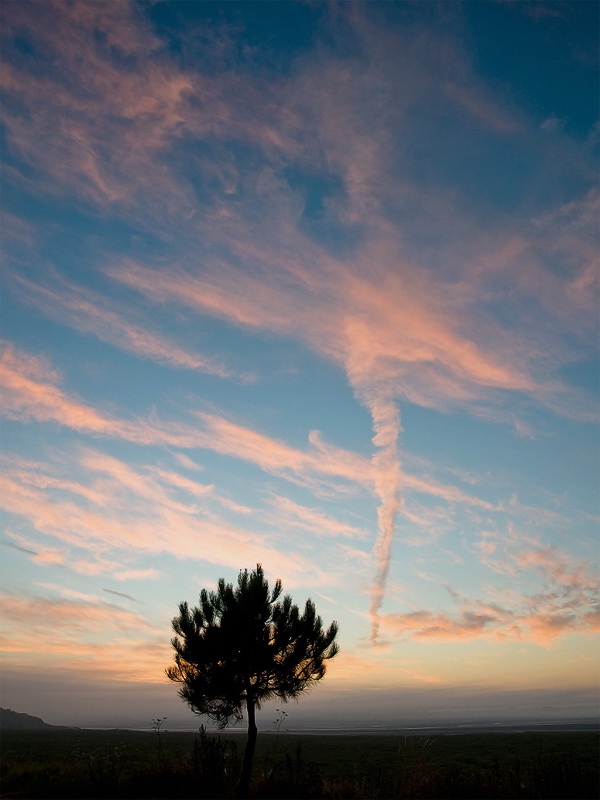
(312, 285)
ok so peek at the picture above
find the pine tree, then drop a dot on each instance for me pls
(244, 645)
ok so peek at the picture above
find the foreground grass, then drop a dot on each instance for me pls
(126, 764)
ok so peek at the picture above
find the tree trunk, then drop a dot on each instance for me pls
(244, 789)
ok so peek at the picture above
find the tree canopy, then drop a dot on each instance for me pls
(244, 645)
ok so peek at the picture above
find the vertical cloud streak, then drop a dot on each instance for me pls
(387, 480)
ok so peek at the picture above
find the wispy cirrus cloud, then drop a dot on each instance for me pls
(84, 611)
(542, 626)
(428, 625)
(134, 514)
(376, 329)
(97, 635)
(87, 312)
(287, 512)
(560, 568)
(566, 603)
(145, 110)
(31, 391)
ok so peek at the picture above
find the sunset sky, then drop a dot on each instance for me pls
(310, 284)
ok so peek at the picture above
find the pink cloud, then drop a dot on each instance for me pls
(28, 392)
(141, 518)
(84, 310)
(143, 110)
(131, 480)
(50, 556)
(427, 625)
(539, 618)
(451, 494)
(81, 614)
(384, 333)
(290, 513)
(43, 480)
(279, 458)
(182, 482)
(232, 294)
(560, 568)
(354, 554)
(186, 462)
(73, 148)
(97, 636)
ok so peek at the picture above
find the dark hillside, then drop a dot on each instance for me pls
(14, 721)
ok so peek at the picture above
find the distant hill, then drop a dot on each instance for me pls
(13, 721)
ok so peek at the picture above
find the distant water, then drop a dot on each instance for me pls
(504, 726)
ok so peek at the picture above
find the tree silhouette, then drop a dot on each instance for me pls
(242, 646)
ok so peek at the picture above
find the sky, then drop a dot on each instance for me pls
(311, 285)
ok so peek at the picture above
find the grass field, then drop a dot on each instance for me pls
(127, 764)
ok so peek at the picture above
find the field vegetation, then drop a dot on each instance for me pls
(127, 764)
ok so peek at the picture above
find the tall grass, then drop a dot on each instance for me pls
(122, 765)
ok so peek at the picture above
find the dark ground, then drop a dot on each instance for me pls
(128, 764)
